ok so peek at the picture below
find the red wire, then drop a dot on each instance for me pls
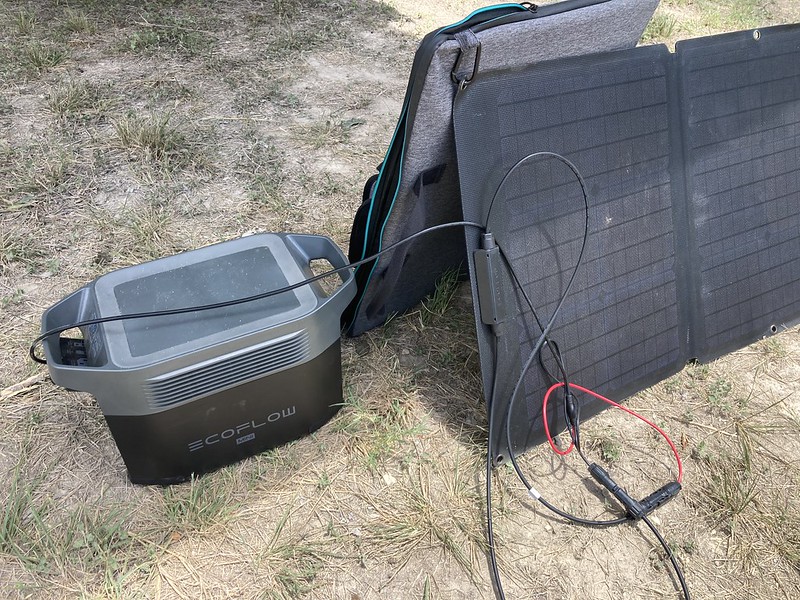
(612, 403)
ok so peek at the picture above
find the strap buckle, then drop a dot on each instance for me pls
(462, 83)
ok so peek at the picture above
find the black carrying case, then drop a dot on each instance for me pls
(692, 161)
(417, 184)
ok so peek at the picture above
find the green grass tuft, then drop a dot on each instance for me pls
(155, 139)
(44, 56)
(88, 539)
(149, 230)
(77, 21)
(19, 514)
(169, 35)
(262, 166)
(785, 529)
(378, 431)
(14, 298)
(293, 562)
(433, 510)
(328, 133)
(435, 306)
(25, 21)
(703, 17)
(730, 488)
(660, 28)
(287, 9)
(19, 249)
(77, 100)
(197, 504)
(31, 174)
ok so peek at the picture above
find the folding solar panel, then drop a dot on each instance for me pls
(741, 132)
(692, 171)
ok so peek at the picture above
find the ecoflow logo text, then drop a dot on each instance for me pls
(238, 430)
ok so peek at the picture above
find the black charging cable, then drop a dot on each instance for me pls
(654, 500)
(571, 406)
(570, 414)
(237, 301)
(536, 352)
(495, 571)
(551, 345)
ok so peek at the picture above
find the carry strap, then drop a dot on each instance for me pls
(466, 66)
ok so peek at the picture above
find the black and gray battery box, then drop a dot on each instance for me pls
(187, 393)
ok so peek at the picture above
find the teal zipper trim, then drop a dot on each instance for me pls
(444, 29)
(380, 176)
(403, 114)
(480, 11)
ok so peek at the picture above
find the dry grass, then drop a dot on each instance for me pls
(76, 100)
(135, 130)
(77, 21)
(44, 56)
(680, 19)
(35, 173)
(152, 138)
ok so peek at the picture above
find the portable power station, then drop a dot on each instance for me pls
(187, 393)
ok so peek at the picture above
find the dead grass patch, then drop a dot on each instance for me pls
(153, 138)
(198, 504)
(25, 21)
(85, 548)
(378, 429)
(433, 507)
(43, 56)
(263, 167)
(36, 172)
(75, 100)
(161, 32)
(157, 140)
(77, 21)
(19, 249)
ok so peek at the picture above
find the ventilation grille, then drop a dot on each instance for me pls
(215, 377)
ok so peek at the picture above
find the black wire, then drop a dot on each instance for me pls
(551, 345)
(495, 572)
(544, 335)
(236, 301)
(580, 520)
(543, 338)
(520, 287)
(575, 435)
(574, 429)
(545, 330)
(572, 426)
(556, 351)
(518, 469)
(672, 559)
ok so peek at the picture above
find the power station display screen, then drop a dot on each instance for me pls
(238, 275)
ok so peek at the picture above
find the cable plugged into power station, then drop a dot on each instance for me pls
(491, 265)
(236, 301)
